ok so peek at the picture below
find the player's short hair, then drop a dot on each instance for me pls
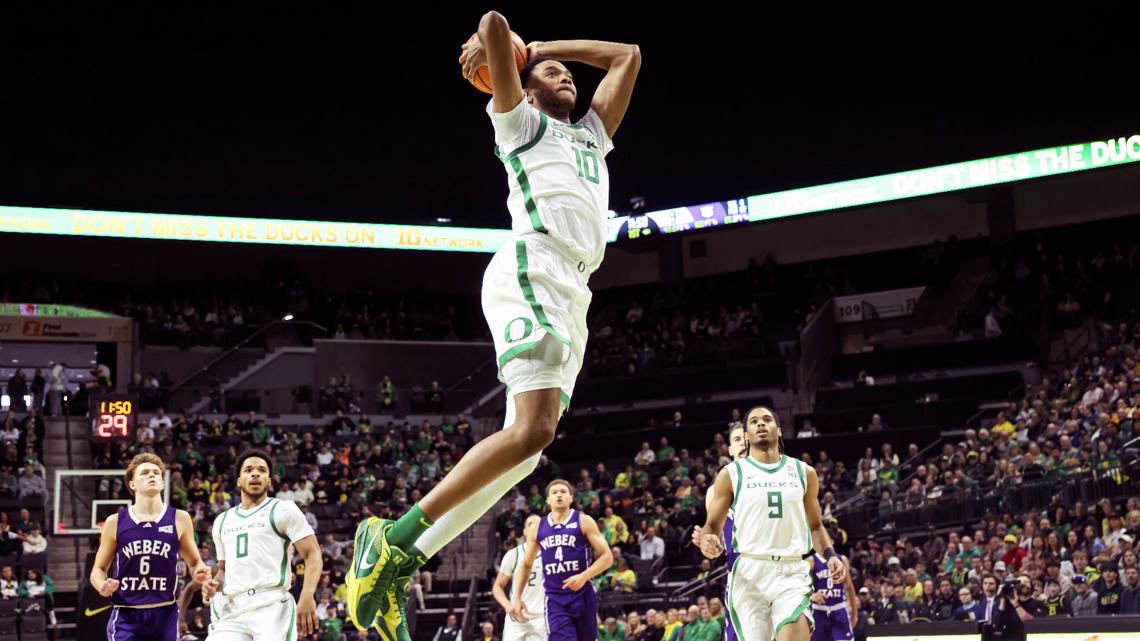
(551, 484)
(139, 459)
(248, 454)
(524, 75)
(775, 416)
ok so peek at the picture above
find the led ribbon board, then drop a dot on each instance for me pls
(270, 231)
(879, 189)
(852, 193)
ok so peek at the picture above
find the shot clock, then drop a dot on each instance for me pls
(114, 417)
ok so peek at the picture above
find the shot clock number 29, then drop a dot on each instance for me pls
(113, 417)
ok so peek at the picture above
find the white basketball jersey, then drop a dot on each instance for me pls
(559, 183)
(768, 508)
(533, 596)
(257, 544)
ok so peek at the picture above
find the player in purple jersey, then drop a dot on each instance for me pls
(144, 541)
(565, 538)
(833, 606)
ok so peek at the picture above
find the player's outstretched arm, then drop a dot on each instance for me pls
(622, 62)
(199, 571)
(603, 556)
(499, 53)
(712, 542)
(526, 564)
(820, 540)
(104, 556)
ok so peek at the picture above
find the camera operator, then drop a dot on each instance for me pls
(1035, 607)
(1007, 616)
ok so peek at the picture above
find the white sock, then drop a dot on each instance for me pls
(460, 517)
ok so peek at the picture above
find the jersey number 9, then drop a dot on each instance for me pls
(776, 502)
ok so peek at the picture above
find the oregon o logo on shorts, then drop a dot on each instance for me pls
(527, 327)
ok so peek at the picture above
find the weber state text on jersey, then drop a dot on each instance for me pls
(564, 551)
(821, 580)
(558, 179)
(146, 559)
(832, 621)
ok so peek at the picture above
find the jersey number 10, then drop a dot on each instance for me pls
(587, 164)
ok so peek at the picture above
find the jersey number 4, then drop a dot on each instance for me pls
(587, 164)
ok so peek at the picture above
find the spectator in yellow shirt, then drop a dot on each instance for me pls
(912, 587)
(624, 580)
(1003, 426)
(673, 625)
(624, 479)
(621, 533)
(611, 521)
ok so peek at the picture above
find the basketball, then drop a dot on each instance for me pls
(482, 78)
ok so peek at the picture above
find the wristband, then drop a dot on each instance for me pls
(828, 553)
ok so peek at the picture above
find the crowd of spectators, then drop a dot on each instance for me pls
(642, 327)
(1078, 419)
(24, 495)
(1039, 284)
(338, 473)
(1065, 557)
(225, 313)
(755, 312)
(704, 620)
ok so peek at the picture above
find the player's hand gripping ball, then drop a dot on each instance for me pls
(474, 61)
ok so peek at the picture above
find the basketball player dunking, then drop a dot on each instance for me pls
(565, 539)
(535, 293)
(144, 541)
(776, 524)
